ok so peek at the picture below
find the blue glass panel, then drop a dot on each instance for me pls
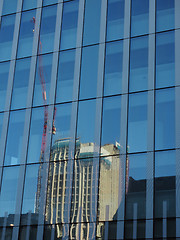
(1, 123)
(139, 17)
(9, 7)
(49, 2)
(65, 78)
(165, 184)
(111, 126)
(137, 122)
(36, 134)
(165, 119)
(6, 36)
(69, 25)
(138, 79)
(136, 186)
(86, 129)
(15, 138)
(92, 22)
(21, 82)
(31, 196)
(29, 4)
(165, 59)
(26, 34)
(4, 73)
(115, 19)
(113, 68)
(89, 72)
(8, 194)
(47, 32)
(62, 135)
(43, 80)
(165, 14)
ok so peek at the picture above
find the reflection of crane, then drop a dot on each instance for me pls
(43, 86)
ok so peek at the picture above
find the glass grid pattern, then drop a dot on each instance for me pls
(89, 119)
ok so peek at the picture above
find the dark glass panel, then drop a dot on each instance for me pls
(165, 119)
(137, 122)
(28, 233)
(165, 14)
(110, 188)
(111, 126)
(136, 186)
(47, 31)
(85, 143)
(4, 73)
(135, 229)
(165, 184)
(113, 68)
(115, 19)
(26, 34)
(32, 196)
(83, 231)
(92, 22)
(165, 59)
(21, 82)
(138, 79)
(165, 229)
(62, 135)
(15, 138)
(85, 189)
(9, 8)
(29, 4)
(89, 72)
(69, 24)
(139, 17)
(6, 36)
(65, 78)
(8, 195)
(42, 80)
(56, 232)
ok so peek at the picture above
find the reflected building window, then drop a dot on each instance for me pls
(4, 73)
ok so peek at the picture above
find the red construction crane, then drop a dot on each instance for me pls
(44, 96)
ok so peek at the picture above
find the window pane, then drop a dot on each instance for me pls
(89, 72)
(92, 22)
(111, 126)
(113, 68)
(6, 36)
(26, 34)
(4, 73)
(85, 183)
(136, 186)
(29, 4)
(137, 122)
(135, 229)
(65, 78)
(165, 59)
(8, 194)
(165, 119)
(1, 123)
(138, 64)
(165, 184)
(30, 231)
(9, 8)
(139, 17)
(36, 134)
(49, 2)
(15, 138)
(43, 80)
(110, 187)
(47, 32)
(69, 25)
(62, 137)
(21, 82)
(115, 19)
(31, 197)
(165, 14)
(86, 129)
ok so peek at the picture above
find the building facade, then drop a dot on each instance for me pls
(89, 119)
